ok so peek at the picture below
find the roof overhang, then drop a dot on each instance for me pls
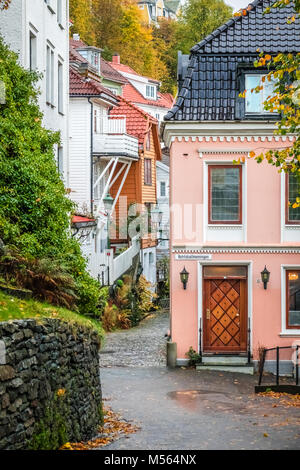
(102, 96)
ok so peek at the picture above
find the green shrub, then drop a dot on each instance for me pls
(194, 357)
(35, 209)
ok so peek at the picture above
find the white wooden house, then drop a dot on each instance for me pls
(99, 143)
(38, 31)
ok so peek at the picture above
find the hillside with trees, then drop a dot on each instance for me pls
(117, 26)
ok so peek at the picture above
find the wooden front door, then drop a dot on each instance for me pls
(224, 315)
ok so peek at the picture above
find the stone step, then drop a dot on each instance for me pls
(237, 368)
(217, 359)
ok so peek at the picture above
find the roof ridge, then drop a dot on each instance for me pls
(225, 26)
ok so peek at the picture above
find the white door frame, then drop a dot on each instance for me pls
(249, 265)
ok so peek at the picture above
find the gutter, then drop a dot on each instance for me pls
(92, 158)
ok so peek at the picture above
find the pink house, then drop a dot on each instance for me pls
(230, 221)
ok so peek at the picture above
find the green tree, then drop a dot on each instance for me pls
(81, 15)
(34, 207)
(116, 26)
(199, 18)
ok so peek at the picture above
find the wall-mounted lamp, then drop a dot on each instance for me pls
(184, 277)
(265, 277)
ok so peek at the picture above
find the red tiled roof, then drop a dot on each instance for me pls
(77, 219)
(138, 122)
(126, 69)
(130, 93)
(77, 44)
(81, 86)
(74, 56)
(108, 72)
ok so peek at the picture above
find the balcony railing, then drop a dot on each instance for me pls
(111, 138)
(111, 125)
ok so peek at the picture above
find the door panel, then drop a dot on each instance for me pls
(224, 315)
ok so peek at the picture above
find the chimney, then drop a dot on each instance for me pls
(116, 59)
(76, 37)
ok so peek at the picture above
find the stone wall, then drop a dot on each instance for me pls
(49, 379)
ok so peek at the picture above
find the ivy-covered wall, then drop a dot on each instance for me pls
(50, 390)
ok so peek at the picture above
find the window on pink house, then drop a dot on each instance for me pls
(293, 299)
(292, 193)
(225, 194)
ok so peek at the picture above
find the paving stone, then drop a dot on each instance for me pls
(142, 346)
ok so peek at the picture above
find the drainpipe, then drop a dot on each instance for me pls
(92, 159)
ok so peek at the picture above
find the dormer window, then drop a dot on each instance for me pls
(254, 102)
(151, 92)
(93, 56)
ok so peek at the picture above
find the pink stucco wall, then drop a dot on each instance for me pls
(263, 229)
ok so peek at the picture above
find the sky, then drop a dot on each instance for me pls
(237, 4)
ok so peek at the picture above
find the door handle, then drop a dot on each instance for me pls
(207, 314)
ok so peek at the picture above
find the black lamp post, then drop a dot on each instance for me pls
(184, 277)
(265, 277)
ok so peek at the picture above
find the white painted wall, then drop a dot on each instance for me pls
(148, 260)
(162, 174)
(16, 23)
(80, 153)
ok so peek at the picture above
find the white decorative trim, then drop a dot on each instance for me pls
(225, 227)
(289, 335)
(292, 227)
(243, 130)
(224, 151)
(263, 250)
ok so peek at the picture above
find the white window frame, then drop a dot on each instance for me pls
(290, 332)
(224, 232)
(60, 160)
(50, 75)
(166, 189)
(60, 86)
(263, 95)
(149, 90)
(32, 49)
(59, 8)
(50, 6)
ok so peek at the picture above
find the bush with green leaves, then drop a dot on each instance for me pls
(35, 209)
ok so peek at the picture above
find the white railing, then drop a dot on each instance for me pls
(111, 125)
(116, 144)
(106, 268)
(97, 263)
(123, 262)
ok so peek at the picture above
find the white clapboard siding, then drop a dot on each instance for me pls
(80, 152)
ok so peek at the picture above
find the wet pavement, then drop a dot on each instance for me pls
(188, 409)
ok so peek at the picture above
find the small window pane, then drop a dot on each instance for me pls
(225, 194)
(253, 100)
(225, 271)
(293, 280)
(162, 189)
(294, 192)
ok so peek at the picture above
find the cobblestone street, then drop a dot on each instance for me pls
(142, 346)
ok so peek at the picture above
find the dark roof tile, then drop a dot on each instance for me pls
(210, 85)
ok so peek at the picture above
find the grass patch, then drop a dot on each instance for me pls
(12, 308)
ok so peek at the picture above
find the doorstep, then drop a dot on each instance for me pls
(229, 363)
